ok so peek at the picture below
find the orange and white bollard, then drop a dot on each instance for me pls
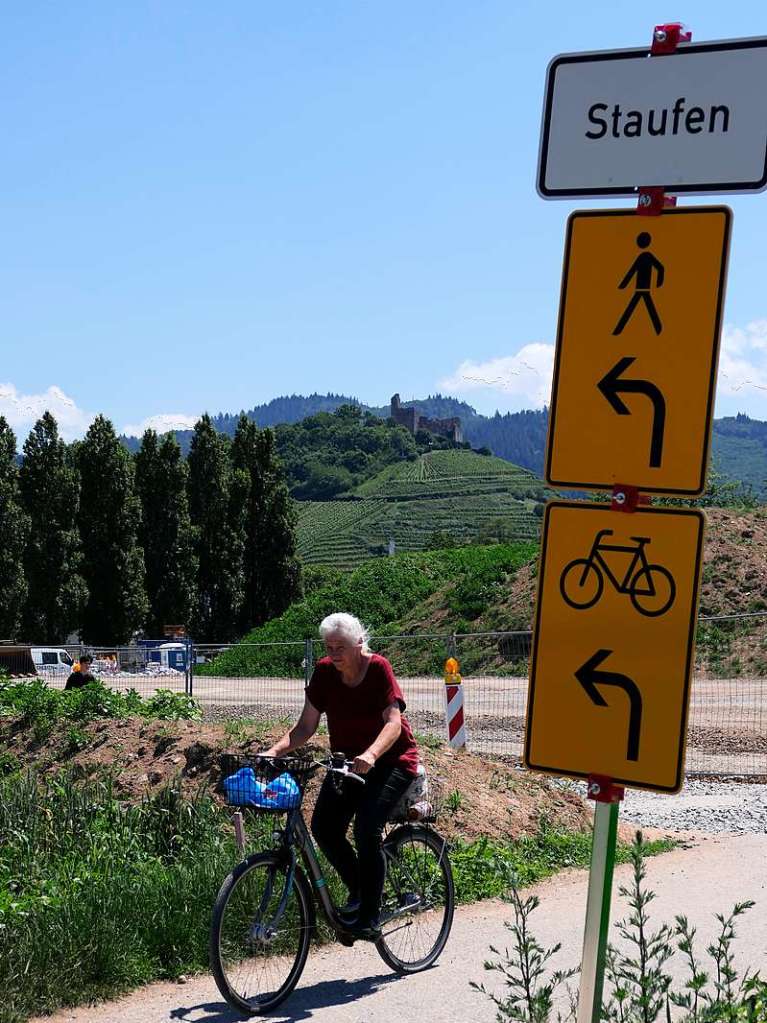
(456, 726)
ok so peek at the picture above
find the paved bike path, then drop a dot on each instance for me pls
(354, 986)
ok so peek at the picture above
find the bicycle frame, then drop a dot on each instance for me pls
(296, 836)
(638, 556)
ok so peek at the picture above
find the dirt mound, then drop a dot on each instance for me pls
(735, 562)
(483, 796)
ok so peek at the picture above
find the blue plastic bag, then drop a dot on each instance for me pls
(244, 789)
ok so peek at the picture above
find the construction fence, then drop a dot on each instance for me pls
(728, 714)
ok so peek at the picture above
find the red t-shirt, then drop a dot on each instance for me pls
(354, 712)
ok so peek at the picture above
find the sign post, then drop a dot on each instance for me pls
(607, 799)
(631, 412)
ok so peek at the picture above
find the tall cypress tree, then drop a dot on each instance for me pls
(280, 575)
(214, 490)
(244, 453)
(108, 518)
(14, 530)
(52, 557)
(165, 534)
(272, 574)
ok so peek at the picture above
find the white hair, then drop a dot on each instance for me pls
(348, 626)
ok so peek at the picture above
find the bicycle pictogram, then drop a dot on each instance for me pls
(650, 588)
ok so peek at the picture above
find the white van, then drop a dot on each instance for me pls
(51, 661)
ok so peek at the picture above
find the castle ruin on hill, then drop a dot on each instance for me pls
(412, 419)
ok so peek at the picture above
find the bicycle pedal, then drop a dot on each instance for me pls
(345, 939)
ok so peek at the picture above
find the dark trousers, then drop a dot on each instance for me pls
(363, 872)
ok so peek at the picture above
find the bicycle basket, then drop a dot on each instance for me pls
(265, 786)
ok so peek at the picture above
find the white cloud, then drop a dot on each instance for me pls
(743, 366)
(524, 378)
(23, 410)
(162, 423)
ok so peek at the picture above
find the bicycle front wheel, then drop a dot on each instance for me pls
(260, 934)
(418, 901)
(581, 584)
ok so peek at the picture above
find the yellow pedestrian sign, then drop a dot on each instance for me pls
(613, 643)
(637, 349)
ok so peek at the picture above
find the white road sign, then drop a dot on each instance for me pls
(694, 121)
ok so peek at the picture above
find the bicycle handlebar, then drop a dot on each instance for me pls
(332, 764)
(347, 772)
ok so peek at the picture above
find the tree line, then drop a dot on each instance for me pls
(97, 541)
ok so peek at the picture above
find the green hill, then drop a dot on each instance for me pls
(413, 602)
(740, 451)
(456, 494)
(442, 590)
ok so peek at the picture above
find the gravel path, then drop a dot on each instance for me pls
(701, 806)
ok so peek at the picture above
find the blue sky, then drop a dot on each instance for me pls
(209, 205)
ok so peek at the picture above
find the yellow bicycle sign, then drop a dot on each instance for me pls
(650, 588)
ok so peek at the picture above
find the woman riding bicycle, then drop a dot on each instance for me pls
(363, 702)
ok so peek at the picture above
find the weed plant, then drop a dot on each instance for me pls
(96, 896)
(639, 986)
(40, 708)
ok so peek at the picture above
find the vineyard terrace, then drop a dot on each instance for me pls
(631, 124)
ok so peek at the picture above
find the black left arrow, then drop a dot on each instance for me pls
(612, 384)
(590, 678)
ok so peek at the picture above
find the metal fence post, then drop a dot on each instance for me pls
(308, 660)
(189, 675)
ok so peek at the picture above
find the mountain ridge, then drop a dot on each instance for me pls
(739, 444)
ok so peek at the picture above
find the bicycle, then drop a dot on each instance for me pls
(265, 912)
(650, 588)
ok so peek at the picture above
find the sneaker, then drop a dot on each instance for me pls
(365, 931)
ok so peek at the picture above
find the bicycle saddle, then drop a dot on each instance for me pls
(641, 539)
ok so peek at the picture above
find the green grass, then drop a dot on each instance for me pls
(97, 896)
(455, 492)
(486, 870)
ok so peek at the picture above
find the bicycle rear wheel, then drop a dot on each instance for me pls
(418, 901)
(259, 939)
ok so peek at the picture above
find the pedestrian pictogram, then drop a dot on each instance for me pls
(642, 271)
(613, 643)
(637, 349)
(650, 588)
